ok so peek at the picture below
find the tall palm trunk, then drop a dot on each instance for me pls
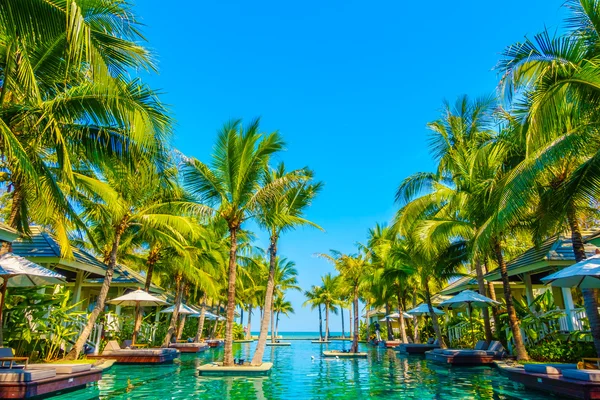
(434, 317)
(512, 314)
(216, 324)
(181, 326)
(277, 324)
(175, 316)
(342, 315)
(320, 324)
(350, 322)
(99, 307)
(248, 333)
(388, 323)
(485, 311)
(153, 257)
(401, 315)
(201, 320)
(326, 322)
(272, 324)
(15, 216)
(590, 296)
(228, 351)
(415, 322)
(354, 347)
(264, 322)
(491, 290)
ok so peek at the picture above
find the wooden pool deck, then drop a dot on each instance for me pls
(47, 386)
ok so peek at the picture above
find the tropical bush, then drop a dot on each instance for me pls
(558, 347)
(238, 332)
(40, 324)
(368, 333)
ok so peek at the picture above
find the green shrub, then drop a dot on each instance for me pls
(562, 348)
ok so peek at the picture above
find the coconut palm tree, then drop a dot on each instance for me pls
(281, 306)
(278, 215)
(129, 206)
(314, 299)
(328, 298)
(232, 186)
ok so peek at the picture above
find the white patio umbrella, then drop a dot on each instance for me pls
(396, 316)
(138, 297)
(469, 299)
(183, 310)
(423, 309)
(17, 271)
(584, 274)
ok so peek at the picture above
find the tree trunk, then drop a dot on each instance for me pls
(354, 348)
(388, 323)
(181, 326)
(228, 352)
(242, 315)
(491, 290)
(272, 324)
(415, 322)
(401, 316)
(590, 296)
(153, 257)
(277, 324)
(249, 332)
(434, 317)
(2, 301)
(216, 325)
(264, 322)
(175, 316)
(99, 307)
(320, 324)
(484, 310)
(350, 322)
(326, 322)
(342, 315)
(520, 349)
(201, 319)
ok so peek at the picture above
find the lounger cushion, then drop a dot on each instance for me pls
(495, 346)
(140, 352)
(193, 345)
(20, 375)
(481, 345)
(550, 369)
(61, 368)
(589, 375)
(112, 346)
(466, 353)
(6, 352)
(439, 351)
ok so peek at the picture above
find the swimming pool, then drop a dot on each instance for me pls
(385, 374)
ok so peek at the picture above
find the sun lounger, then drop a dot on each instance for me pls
(477, 356)
(136, 356)
(415, 348)
(549, 369)
(587, 375)
(188, 347)
(21, 375)
(60, 369)
(8, 359)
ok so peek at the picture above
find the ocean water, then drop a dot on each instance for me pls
(300, 372)
(304, 335)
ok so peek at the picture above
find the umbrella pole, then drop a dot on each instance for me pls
(2, 301)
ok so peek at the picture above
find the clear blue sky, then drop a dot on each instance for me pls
(350, 85)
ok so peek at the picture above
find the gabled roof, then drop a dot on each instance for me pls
(462, 283)
(128, 278)
(8, 234)
(556, 251)
(42, 247)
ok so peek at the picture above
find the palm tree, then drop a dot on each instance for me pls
(128, 206)
(281, 306)
(231, 184)
(559, 119)
(278, 215)
(328, 298)
(314, 299)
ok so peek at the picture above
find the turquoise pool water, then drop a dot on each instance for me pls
(384, 375)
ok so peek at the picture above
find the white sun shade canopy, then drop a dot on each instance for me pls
(183, 310)
(584, 275)
(21, 272)
(396, 316)
(423, 309)
(469, 298)
(140, 297)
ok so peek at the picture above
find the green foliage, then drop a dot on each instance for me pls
(368, 333)
(562, 348)
(238, 331)
(40, 323)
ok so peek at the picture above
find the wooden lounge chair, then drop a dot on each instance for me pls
(416, 348)
(189, 347)
(477, 356)
(7, 359)
(136, 356)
